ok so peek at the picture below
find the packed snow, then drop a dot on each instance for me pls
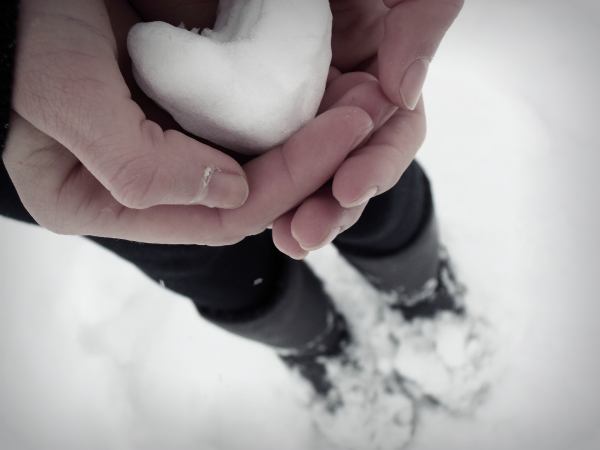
(394, 370)
(249, 83)
(93, 355)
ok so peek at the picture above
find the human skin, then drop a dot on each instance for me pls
(393, 40)
(81, 198)
(88, 154)
(381, 38)
(381, 49)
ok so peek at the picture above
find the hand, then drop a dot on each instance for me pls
(69, 85)
(393, 40)
(86, 160)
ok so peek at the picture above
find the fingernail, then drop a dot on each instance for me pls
(413, 81)
(363, 134)
(384, 115)
(328, 240)
(222, 189)
(363, 198)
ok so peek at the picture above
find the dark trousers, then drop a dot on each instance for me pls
(245, 276)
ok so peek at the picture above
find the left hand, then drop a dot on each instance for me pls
(72, 74)
(393, 40)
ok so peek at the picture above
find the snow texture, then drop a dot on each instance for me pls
(394, 369)
(94, 356)
(249, 83)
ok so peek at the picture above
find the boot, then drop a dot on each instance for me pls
(301, 324)
(420, 276)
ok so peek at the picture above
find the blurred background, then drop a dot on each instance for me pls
(92, 355)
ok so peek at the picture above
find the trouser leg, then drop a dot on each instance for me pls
(228, 280)
(396, 247)
(391, 221)
(250, 288)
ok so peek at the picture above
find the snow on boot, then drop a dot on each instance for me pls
(420, 277)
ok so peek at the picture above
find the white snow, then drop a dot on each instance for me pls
(94, 356)
(249, 83)
(394, 370)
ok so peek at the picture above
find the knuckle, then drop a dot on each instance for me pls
(133, 181)
(28, 158)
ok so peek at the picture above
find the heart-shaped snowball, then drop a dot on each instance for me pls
(249, 83)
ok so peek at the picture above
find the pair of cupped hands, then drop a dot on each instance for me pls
(89, 154)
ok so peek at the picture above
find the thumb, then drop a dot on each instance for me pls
(144, 166)
(413, 32)
(68, 85)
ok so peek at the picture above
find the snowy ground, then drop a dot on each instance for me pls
(94, 356)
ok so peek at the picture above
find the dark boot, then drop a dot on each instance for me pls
(301, 324)
(420, 275)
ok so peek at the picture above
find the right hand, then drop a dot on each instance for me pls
(392, 40)
(85, 159)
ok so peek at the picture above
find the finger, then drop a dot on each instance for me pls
(341, 85)
(69, 86)
(320, 219)
(413, 32)
(122, 18)
(369, 97)
(283, 177)
(283, 239)
(376, 167)
(350, 89)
